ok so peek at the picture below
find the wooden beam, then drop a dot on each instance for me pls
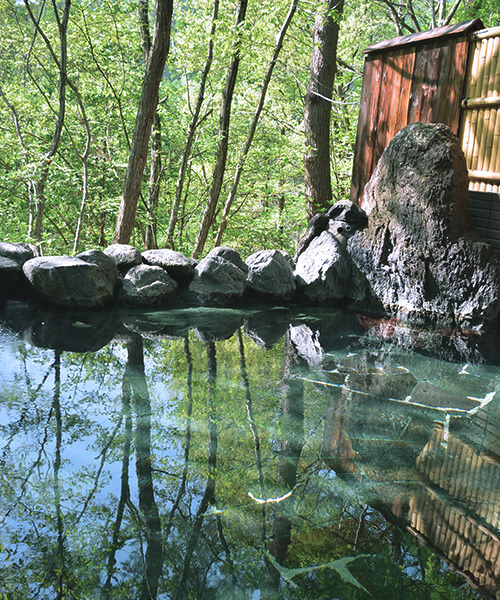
(486, 33)
(484, 176)
(491, 102)
(427, 36)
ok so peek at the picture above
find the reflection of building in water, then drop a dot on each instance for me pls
(437, 480)
(458, 513)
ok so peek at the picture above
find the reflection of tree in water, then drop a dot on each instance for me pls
(199, 533)
(153, 560)
(183, 589)
(291, 443)
(61, 567)
(124, 499)
(187, 446)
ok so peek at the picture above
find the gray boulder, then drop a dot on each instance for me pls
(12, 258)
(419, 255)
(343, 220)
(270, 275)
(219, 278)
(19, 253)
(147, 285)
(105, 263)
(124, 255)
(84, 281)
(178, 266)
(323, 270)
(229, 254)
(11, 275)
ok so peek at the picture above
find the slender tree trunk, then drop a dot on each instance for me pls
(155, 170)
(150, 240)
(222, 147)
(144, 121)
(61, 63)
(84, 158)
(253, 126)
(195, 121)
(318, 188)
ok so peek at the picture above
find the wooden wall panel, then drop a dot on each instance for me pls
(366, 133)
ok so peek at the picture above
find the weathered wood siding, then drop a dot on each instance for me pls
(420, 77)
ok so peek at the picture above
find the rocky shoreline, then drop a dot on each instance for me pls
(409, 252)
(121, 275)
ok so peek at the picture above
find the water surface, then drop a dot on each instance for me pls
(246, 454)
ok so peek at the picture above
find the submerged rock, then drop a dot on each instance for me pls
(419, 256)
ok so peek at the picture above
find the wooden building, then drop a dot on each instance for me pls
(446, 75)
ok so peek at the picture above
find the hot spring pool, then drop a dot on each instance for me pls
(213, 454)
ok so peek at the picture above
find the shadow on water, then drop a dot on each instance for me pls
(252, 454)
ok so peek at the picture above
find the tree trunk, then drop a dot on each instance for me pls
(318, 188)
(61, 63)
(195, 121)
(144, 121)
(222, 147)
(85, 171)
(253, 126)
(150, 240)
(155, 170)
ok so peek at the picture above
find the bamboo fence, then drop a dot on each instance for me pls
(480, 128)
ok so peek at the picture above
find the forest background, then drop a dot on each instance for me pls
(230, 155)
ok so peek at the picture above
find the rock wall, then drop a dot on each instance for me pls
(155, 278)
(419, 257)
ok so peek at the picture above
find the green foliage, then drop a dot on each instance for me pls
(105, 70)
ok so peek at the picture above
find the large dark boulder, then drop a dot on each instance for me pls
(323, 270)
(12, 258)
(219, 278)
(147, 285)
(343, 220)
(178, 266)
(87, 280)
(19, 253)
(419, 256)
(270, 275)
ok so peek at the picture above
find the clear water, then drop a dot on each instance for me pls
(246, 454)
